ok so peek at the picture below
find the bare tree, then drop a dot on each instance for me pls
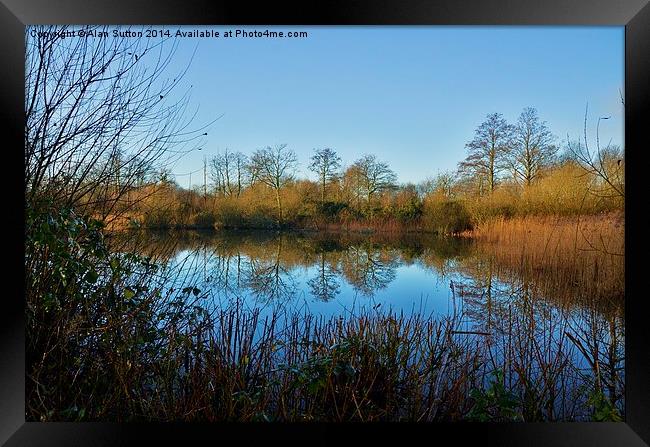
(163, 176)
(274, 167)
(441, 184)
(239, 162)
(532, 147)
(487, 151)
(374, 176)
(326, 163)
(98, 116)
(228, 172)
(606, 164)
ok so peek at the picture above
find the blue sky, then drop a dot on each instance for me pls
(411, 95)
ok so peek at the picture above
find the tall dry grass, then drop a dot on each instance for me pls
(579, 256)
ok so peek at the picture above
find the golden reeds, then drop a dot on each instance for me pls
(568, 256)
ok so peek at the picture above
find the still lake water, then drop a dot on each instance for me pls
(328, 275)
(346, 274)
(560, 333)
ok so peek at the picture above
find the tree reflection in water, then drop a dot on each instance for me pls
(559, 353)
(325, 285)
(369, 269)
(268, 278)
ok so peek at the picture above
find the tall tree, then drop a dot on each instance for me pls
(374, 176)
(532, 147)
(326, 163)
(488, 150)
(228, 172)
(273, 167)
(351, 186)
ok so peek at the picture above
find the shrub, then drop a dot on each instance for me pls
(91, 321)
(205, 219)
(331, 210)
(446, 216)
(158, 218)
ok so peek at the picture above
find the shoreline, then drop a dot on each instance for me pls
(490, 226)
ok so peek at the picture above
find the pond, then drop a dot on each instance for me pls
(543, 324)
(325, 275)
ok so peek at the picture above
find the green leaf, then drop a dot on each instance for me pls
(129, 293)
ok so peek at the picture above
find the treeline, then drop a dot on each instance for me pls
(510, 170)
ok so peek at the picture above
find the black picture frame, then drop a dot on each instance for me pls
(633, 14)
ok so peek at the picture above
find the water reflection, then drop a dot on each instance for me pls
(368, 268)
(270, 267)
(325, 285)
(323, 267)
(554, 341)
(268, 278)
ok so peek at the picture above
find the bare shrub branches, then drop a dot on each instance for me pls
(606, 164)
(99, 114)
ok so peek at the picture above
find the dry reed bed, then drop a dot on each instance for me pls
(571, 257)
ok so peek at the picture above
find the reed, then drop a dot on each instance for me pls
(567, 256)
(238, 365)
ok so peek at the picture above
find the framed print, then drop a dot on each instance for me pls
(356, 219)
